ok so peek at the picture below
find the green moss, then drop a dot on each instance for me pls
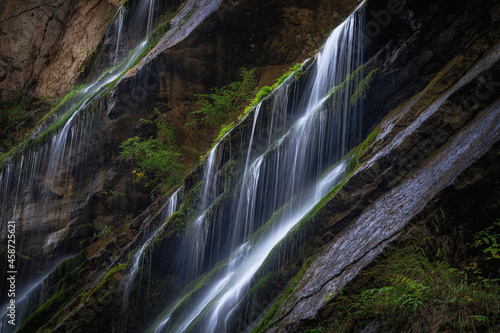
(273, 311)
(190, 207)
(53, 127)
(223, 131)
(266, 90)
(104, 283)
(184, 216)
(103, 296)
(19, 117)
(50, 307)
(349, 85)
(162, 28)
(361, 152)
(263, 285)
(191, 292)
(177, 220)
(131, 253)
(296, 70)
(70, 279)
(62, 120)
(187, 16)
(362, 88)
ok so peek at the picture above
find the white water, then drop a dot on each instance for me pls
(290, 176)
(244, 268)
(51, 162)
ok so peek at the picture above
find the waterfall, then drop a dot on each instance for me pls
(288, 163)
(49, 168)
(288, 160)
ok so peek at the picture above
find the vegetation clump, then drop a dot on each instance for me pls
(158, 159)
(417, 289)
(487, 240)
(226, 101)
(18, 116)
(361, 152)
(363, 87)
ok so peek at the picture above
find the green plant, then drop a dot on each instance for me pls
(157, 159)
(488, 239)
(410, 291)
(108, 191)
(223, 131)
(226, 101)
(361, 152)
(296, 70)
(363, 87)
(18, 117)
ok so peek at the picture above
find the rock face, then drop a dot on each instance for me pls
(44, 44)
(427, 57)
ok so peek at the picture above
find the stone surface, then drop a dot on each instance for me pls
(424, 44)
(44, 43)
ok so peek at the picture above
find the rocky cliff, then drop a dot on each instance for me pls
(428, 91)
(45, 43)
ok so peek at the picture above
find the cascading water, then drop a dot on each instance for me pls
(59, 142)
(288, 165)
(194, 244)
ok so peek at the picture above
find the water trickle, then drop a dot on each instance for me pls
(27, 301)
(243, 225)
(138, 258)
(118, 26)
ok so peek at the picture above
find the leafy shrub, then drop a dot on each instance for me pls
(18, 116)
(414, 293)
(488, 240)
(157, 158)
(226, 101)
